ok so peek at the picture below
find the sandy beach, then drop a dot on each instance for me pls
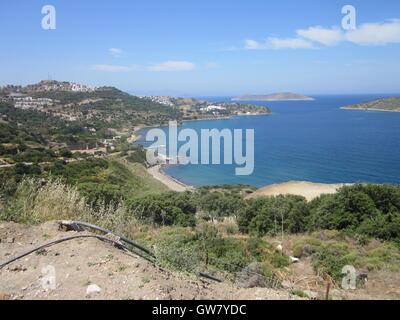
(156, 171)
(135, 134)
(170, 182)
(309, 190)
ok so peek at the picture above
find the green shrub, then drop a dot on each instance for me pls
(306, 247)
(331, 259)
(279, 260)
(299, 293)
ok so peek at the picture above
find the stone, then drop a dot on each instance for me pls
(10, 240)
(286, 285)
(92, 289)
(17, 268)
(294, 260)
(311, 294)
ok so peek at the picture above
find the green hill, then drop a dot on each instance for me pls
(386, 104)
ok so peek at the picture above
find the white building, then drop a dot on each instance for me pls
(212, 108)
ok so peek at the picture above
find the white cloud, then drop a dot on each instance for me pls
(253, 45)
(211, 65)
(328, 37)
(172, 66)
(365, 34)
(113, 68)
(376, 33)
(116, 52)
(278, 43)
(293, 43)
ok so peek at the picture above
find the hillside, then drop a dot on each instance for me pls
(108, 107)
(193, 109)
(39, 120)
(266, 248)
(272, 243)
(282, 96)
(391, 104)
(90, 269)
(83, 263)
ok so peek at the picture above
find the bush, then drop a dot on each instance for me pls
(299, 293)
(331, 259)
(177, 249)
(166, 209)
(65, 153)
(266, 216)
(307, 247)
(279, 260)
(257, 274)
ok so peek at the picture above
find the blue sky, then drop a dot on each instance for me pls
(185, 47)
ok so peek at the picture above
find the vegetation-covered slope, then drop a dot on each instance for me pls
(385, 104)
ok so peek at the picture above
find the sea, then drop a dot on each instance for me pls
(312, 141)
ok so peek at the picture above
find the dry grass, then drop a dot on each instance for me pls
(38, 201)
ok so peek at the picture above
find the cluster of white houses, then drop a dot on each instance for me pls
(165, 100)
(32, 103)
(212, 108)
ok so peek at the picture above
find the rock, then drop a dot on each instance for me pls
(92, 289)
(17, 268)
(311, 294)
(286, 285)
(251, 277)
(10, 240)
(294, 260)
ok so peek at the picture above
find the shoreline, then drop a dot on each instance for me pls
(136, 136)
(276, 100)
(369, 109)
(156, 171)
(306, 189)
(309, 190)
(172, 183)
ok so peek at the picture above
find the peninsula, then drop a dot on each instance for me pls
(391, 104)
(282, 96)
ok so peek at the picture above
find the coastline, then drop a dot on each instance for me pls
(309, 190)
(172, 183)
(311, 99)
(157, 172)
(369, 109)
(228, 117)
(136, 135)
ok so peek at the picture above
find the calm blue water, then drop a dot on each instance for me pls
(308, 140)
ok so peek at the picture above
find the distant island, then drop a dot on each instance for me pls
(391, 104)
(282, 96)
